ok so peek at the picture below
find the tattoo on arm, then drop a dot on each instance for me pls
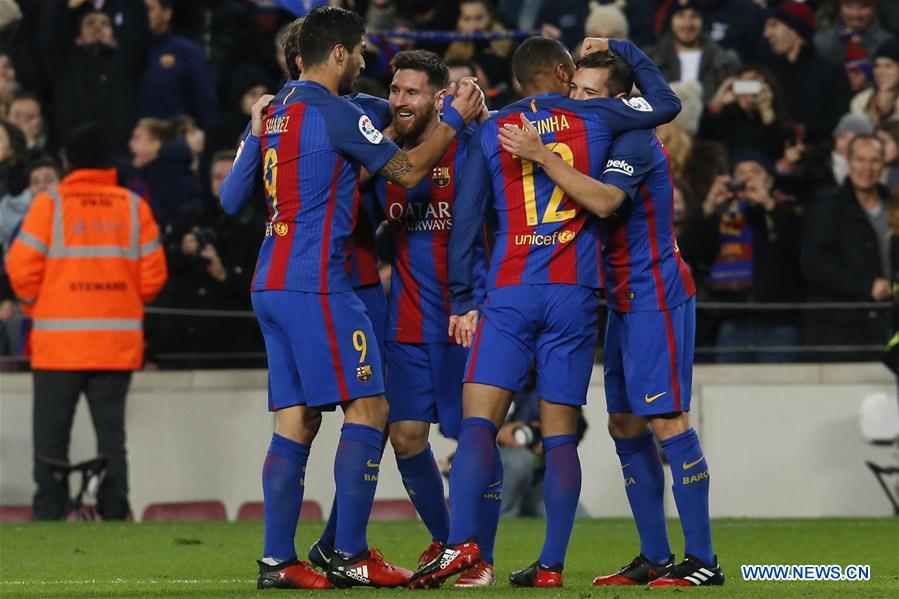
(397, 167)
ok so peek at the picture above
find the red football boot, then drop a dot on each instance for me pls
(428, 555)
(536, 576)
(639, 571)
(479, 575)
(452, 560)
(690, 573)
(367, 570)
(290, 575)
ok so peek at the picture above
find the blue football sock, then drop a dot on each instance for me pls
(491, 504)
(330, 531)
(282, 489)
(644, 483)
(561, 491)
(691, 493)
(356, 476)
(423, 482)
(472, 471)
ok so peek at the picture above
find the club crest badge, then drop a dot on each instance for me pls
(441, 176)
(281, 229)
(363, 373)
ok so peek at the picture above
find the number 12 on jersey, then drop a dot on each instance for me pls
(552, 214)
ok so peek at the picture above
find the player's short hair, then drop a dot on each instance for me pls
(621, 75)
(289, 38)
(325, 27)
(425, 61)
(537, 57)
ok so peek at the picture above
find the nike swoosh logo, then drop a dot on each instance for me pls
(371, 464)
(654, 397)
(691, 464)
(496, 484)
(626, 465)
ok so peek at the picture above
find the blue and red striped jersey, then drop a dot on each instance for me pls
(542, 236)
(312, 147)
(643, 267)
(362, 258)
(420, 221)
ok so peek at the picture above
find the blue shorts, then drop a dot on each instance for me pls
(648, 360)
(552, 327)
(375, 302)
(321, 348)
(424, 383)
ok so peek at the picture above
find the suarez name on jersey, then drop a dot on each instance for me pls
(312, 146)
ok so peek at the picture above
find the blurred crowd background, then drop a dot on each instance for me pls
(785, 157)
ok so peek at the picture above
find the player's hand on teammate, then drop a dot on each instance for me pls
(462, 328)
(257, 112)
(468, 99)
(594, 44)
(523, 141)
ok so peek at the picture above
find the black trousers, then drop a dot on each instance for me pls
(56, 394)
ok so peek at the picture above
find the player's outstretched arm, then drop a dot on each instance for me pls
(237, 188)
(410, 168)
(597, 197)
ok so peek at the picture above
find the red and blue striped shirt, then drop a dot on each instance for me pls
(420, 221)
(312, 147)
(643, 267)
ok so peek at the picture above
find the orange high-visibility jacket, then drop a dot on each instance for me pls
(84, 263)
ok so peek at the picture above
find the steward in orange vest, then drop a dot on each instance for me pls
(84, 263)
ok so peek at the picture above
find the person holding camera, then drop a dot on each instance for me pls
(747, 113)
(745, 245)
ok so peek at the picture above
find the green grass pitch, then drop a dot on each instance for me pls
(195, 559)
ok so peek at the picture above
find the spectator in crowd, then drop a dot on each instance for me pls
(880, 102)
(177, 80)
(211, 259)
(42, 175)
(849, 127)
(845, 255)
(747, 112)
(746, 240)
(13, 153)
(694, 161)
(493, 57)
(160, 171)
(87, 316)
(608, 21)
(247, 84)
(853, 39)
(735, 25)
(9, 85)
(25, 113)
(816, 92)
(686, 53)
(888, 134)
(692, 106)
(186, 128)
(94, 73)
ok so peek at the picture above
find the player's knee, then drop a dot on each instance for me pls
(406, 445)
(624, 426)
(669, 425)
(370, 411)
